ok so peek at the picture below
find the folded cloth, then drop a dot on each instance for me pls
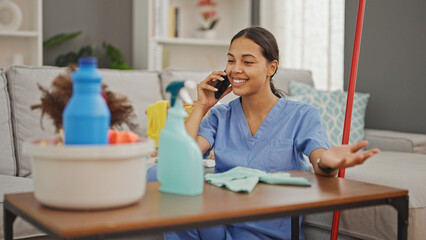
(157, 114)
(242, 179)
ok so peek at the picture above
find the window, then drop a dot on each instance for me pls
(310, 34)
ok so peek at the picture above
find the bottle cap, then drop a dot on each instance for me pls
(87, 61)
(181, 88)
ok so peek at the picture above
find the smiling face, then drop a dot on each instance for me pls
(248, 70)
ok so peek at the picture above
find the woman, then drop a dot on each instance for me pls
(260, 130)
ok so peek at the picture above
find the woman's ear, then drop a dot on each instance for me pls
(272, 67)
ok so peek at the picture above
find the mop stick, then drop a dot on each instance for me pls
(349, 102)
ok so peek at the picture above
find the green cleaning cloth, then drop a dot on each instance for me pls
(242, 179)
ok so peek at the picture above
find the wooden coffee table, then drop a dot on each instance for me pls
(160, 212)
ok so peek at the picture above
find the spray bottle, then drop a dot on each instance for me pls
(180, 169)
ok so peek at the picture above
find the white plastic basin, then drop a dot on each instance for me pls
(89, 176)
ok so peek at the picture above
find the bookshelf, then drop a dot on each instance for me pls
(24, 45)
(156, 50)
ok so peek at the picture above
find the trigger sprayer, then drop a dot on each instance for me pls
(180, 168)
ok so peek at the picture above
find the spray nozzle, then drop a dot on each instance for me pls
(181, 88)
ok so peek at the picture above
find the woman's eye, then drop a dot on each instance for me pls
(248, 62)
(230, 61)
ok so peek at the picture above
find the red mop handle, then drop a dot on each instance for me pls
(349, 102)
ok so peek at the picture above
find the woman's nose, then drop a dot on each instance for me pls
(236, 68)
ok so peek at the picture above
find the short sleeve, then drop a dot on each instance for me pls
(311, 134)
(208, 129)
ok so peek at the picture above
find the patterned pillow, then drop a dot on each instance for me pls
(332, 106)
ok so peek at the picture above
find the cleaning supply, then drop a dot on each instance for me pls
(157, 114)
(242, 179)
(180, 169)
(86, 117)
(121, 137)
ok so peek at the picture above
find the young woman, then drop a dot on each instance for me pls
(260, 130)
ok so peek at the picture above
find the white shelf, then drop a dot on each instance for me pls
(19, 33)
(25, 45)
(192, 41)
(153, 49)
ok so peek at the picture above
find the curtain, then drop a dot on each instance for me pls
(310, 35)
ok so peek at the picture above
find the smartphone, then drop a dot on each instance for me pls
(221, 86)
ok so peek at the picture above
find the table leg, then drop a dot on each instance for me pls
(401, 206)
(8, 220)
(295, 227)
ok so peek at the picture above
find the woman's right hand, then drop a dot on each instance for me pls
(205, 100)
(205, 90)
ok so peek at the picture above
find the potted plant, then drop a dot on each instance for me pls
(208, 19)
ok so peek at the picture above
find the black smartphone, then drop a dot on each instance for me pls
(221, 86)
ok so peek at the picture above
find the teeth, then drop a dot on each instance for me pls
(238, 81)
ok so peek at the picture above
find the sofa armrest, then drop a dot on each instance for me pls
(387, 140)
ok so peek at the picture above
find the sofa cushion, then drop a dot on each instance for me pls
(396, 141)
(393, 169)
(281, 80)
(141, 87)
(332, 107)
(284, 76)
(7, 162)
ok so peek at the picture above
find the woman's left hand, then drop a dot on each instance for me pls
(344, 156)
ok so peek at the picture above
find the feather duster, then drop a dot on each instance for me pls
(54, 100)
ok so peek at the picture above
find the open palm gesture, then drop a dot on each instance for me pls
(344, 156)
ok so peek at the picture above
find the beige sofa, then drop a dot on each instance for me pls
(401, 163)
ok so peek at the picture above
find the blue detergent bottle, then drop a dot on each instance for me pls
(86, 117)
(180, 168)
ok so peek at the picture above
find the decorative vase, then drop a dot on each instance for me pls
(206, 34)
(210, 34)
(10, 16)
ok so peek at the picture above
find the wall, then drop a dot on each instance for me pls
(392, 66)
(100, 20)
(141, 33)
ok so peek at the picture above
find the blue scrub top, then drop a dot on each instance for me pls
(290, 130)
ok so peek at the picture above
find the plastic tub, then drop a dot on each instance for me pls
(89, 176)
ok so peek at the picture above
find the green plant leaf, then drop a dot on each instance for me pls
(60, 38)
(72, 57)
(115, 57)
(86, 51)
(214, 22)
(64, 60)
